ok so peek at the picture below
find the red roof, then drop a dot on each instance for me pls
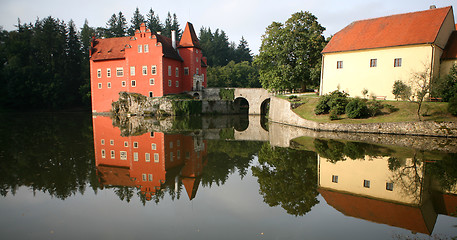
(396, 30)
(393, 214)
(109, 48)
(114, 176)
(189, 38)
(167, 48)
(450, 51)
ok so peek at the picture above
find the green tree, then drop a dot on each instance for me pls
(136, 21)
(168, 26)
(153, 22)
(233, 74)
(175, 26)
(289, 55)
(242, 51)
(287, 178)
(116, 26)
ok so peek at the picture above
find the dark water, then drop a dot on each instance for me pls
(71, 176)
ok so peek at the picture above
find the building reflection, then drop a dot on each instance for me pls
(149, 162)
(387, 190)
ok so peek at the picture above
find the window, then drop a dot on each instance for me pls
(119, 72)
(203, 77)
(111, 142)
(144, 177)
(187, 155)
(366, 183)
(178, 154)
(150, 177)
(171, 144)
(389, 186)
(132, 71)
(151, 94)
(140, 48)
(108, 85)
(373, 62)
(169, 83)
(339, 64)
(397, 62)
(146, 48)
(124, 83)
(156, 157)
(99, 86)
(147, 157)
(145, 70)
(178, 143)
(198, 71)
(335, 178)
(171, 156)
(126, 144)
(151, 81)
(135, 156)
(196, 59)
(186, 71)
(169, 70)
(123, 155)
(177, 72)
(135, 144)
(153, 146)
(152, 134)
(103, 153)
(153, 69)
(103, 141)
(99, 73)
(113, 154)
(133, 83)
(108, 72)
(177, 83)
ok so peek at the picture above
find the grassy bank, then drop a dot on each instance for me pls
(431, 111)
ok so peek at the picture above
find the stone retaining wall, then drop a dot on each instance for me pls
(280, 112)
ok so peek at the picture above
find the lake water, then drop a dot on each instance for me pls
(74, 176)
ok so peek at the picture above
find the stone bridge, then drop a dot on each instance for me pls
(257, 98)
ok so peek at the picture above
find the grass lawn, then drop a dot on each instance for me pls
(431, 111)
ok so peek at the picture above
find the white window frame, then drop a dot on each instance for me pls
(108, 72)
(132, 70)
(123, 155)
(374, 62)
(133, 83)
(147, 157)
(103, 141)
(152, 81)
(103, 153)
(140, 48)
(150, 177)
(156, 158)
(339, 64)
(100, 85)
(335, 178)
(366, 183)
(145, 70)
(124, 83)
(119, 72)
(146, 48)
(153, 70)
(145, 177)
(135, 144)
(135, 156)
(197, 71)
(153, 146)
(111, 142)
(398, 62)
(113, 154)
(169, 71)
(177, 71)
(186, 71)
(169, 83)
(108, 84)
(177, 83)
(99, 73)
(126, 144)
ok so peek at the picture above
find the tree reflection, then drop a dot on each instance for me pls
(288, 178)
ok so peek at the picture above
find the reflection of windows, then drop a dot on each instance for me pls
(124, 83)
(169, 70)
(177, 72)
(366, 183)
(133, 83)
(144, 177)
(152, 134)
(178, 154)
(178, 143)
(132, 71)
(390, 186)
(147, 157)
(103, 141)
(103, 153)
(187, 155)
(186, 71)
(171, 156)
(153, 146)
(150, 177)
(126, 144)
(119, 72)
(135, 156)
(169, 83)
(111, 142)
(171, 144)
(151, 94)
(334, 178)
(156, 157)
(135, 144)
(108, 85)
(123, 155)
(113, 154)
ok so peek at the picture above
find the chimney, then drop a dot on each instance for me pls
(432, 6)
(173, 38)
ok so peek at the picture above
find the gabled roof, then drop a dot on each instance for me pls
(395, 30)
(450, 51)
(109, 48)
(167, 48)
(393, 214)
(189, 38)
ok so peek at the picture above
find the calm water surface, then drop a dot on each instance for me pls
(71, 176)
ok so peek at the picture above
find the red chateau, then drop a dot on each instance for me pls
(149, 162)
(147, 63)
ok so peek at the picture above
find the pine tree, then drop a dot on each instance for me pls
(168, 26)
(175, 26)
(153, 22)
(242, 52)
(136, 21)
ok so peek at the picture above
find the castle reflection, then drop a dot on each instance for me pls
(149, 162)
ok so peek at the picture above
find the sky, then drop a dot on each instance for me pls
(247, 18)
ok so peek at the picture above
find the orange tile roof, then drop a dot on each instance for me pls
(109, 48)
(450, 51)
(189, 38)
(396, 30)
(393, 214)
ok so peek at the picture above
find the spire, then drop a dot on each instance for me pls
(189, 38)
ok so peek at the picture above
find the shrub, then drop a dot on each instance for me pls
(452, 107)
(357, 108)
(375, 108)
(338, 101)
(227, 94)
(333, 114)
(401, 90)
(322, 105)
(292, 96)
(391, 108)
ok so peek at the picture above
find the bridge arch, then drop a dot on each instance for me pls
(256, 98)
